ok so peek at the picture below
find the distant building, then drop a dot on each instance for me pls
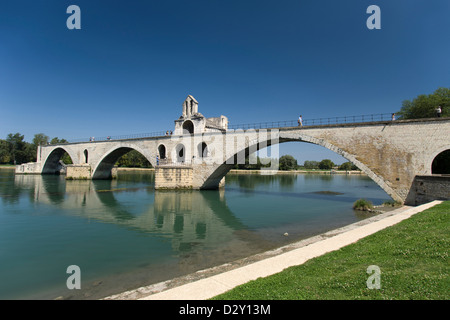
(192, 121)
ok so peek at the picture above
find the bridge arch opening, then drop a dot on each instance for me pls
(202, 150)
(188, 127)
(221, 170)
(162, 151)
(441, 163)
(56, 161)
(121, 157)
(180, 153)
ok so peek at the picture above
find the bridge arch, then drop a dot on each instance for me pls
(202, 149)
(51, 163)
(440, 161)
(226, 166)
(180, 153)
(188, 126)
(103, 169)
(162, 151)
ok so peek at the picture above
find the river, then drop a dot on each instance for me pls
(123, 234)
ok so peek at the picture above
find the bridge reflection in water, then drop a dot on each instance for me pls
(188, 218)
(130, 235)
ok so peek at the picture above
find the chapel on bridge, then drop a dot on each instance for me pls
(192, 121)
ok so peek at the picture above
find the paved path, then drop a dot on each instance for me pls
(304, 250)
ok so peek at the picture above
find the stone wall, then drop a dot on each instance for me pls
(429, 188)
(29, 168)
(78, 171)
(392, 153)
(173, 177)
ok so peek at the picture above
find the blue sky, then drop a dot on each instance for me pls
(133, 63)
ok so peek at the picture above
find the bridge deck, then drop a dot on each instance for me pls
(314, 124)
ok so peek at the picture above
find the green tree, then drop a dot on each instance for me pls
(348, 166)
(31, 148)
(30, 152)
(133, 159)
(311, 164)
(56, 140)
(326, 164)
(287, 162)
(424, 106)
(260, 163)
(16, 146)
(5, 155)
(40, 139)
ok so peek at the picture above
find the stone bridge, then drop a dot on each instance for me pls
(202, 150)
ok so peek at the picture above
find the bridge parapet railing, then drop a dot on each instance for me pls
(260, 125)
(315, 122)
(121, 137)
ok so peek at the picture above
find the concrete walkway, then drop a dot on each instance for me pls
(295, 255)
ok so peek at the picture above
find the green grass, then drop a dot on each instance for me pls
(412, 257)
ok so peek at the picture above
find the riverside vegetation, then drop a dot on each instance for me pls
(412, 257)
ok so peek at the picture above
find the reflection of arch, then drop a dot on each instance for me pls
(104, 192)
(55, 189)
(181, 152)
(85, 156)
(162, 151)
(188, 127)
(202, 150)
(441, 163)
(52, 164)
(105, 165)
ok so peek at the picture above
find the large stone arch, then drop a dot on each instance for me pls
(432, 156)
(103, 169)
(221, 170)
(51, 163)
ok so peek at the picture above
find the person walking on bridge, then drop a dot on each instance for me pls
(300, 121)
(439, 111)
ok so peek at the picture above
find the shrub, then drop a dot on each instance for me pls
(392, 203)
(363, 205)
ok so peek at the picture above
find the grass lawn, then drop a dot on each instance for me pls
(412, 257)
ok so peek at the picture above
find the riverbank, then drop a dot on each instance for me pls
(410, 259)
(209, 283)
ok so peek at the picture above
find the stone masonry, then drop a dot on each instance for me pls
(392, 153)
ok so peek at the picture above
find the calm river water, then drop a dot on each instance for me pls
(123, 234)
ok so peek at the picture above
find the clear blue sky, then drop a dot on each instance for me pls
(132, 64)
